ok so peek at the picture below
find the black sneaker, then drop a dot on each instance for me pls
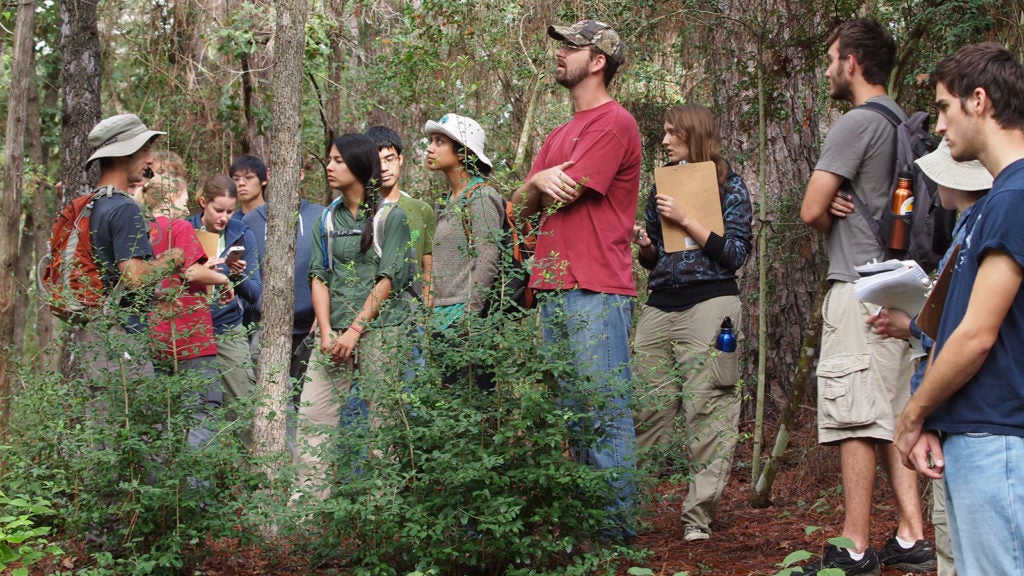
(918, 558)
(836, 557)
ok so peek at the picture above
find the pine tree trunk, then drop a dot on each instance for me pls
(795, 255)
(80, 108)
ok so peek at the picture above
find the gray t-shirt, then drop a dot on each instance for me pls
(860, 147)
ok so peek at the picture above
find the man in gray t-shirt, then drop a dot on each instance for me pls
(859, 149)
(863, 378)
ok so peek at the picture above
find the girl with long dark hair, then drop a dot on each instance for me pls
(359, 277)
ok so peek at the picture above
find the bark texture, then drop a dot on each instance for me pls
(80, 108)
(279, 267)
(10, 202)
(774, 35)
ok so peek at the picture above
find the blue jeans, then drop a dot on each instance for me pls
(985, 503)
(598, 386)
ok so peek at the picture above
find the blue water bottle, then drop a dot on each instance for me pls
(726, 341)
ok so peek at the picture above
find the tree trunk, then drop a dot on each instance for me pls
(26, 254)
(795, 254)
(279, 267)
(10, 202)
(41, 222)
(80, 108)
(255, 83)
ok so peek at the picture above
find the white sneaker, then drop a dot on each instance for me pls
(695, 533)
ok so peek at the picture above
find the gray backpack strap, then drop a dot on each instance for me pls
(860, 208)
(379, 225)
(379, 220)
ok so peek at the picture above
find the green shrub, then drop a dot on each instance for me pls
(22, 541)
(453, 480)
(111, 452)
(461, 481)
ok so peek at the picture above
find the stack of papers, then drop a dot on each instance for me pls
(900, 284)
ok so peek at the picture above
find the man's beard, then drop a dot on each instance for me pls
(840, 88)
(569, 78)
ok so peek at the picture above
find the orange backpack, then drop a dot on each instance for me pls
(69, 276)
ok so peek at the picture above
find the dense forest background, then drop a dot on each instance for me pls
(204, 71)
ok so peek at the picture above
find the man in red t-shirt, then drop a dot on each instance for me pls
(586, 180)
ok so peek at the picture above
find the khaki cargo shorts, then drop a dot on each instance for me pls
(863, 379)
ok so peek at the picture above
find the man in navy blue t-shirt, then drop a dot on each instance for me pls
(966, 421)
(121, 246)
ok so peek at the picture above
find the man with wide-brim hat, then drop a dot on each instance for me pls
(120, 233)
(106, 346)
(586, 179)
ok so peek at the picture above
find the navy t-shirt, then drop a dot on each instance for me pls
(993, 400)
(119, 232)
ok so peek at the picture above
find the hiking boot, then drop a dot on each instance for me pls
(695, 533)
(918, 558)
(836, 557)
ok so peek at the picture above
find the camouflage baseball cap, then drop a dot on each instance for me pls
(591, 32)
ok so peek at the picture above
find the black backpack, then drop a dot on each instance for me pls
(931, 225)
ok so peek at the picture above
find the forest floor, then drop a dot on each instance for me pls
(754, 541)
(746, 540)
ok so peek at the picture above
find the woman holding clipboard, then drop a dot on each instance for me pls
(692, 293)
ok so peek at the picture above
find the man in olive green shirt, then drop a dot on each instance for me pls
(419, 213)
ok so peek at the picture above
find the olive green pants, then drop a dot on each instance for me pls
(687, 392)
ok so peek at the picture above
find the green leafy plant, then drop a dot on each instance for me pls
(110, 452)
(457, 480)
(788, 564)
(22, 540)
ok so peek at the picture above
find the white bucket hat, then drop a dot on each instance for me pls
(939, 165)
(120, 135)
(461, 129)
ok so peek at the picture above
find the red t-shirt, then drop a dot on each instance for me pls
(586, 244)
(188, 332)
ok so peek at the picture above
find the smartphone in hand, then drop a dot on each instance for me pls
(235, 253)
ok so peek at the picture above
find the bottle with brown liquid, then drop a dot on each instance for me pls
(902, 207)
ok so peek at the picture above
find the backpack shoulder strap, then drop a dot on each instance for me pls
(884, 111)
(327, 232)
(379, 220)
(894, 119)
(107, 191)
(467, 216)
(862, 209)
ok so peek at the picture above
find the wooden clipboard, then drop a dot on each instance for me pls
(210, 242)
(931, 312)
(695, 188)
